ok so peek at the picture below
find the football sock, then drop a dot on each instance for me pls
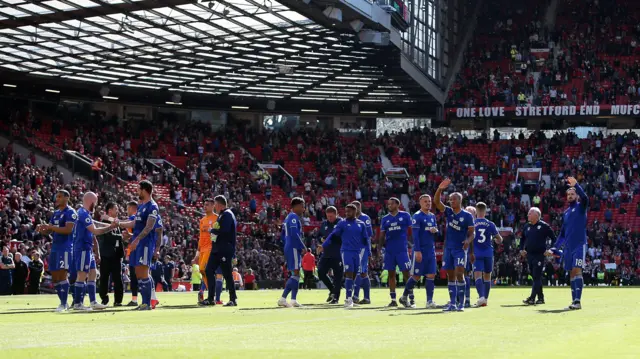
(467, 288)
(91, 290)
(356, 286)
(579, 286)
(366, 287)
(294, 287)
(218, 289)
(430, 285)
(348, 284)
(453, 292)
(480, 287)
(409, 286)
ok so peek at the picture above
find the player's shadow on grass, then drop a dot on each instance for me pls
(414, 312)
(513, 305)
(553, 311)
(26, 311)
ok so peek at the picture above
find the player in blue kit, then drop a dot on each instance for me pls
(393, 236)
(86, 253)
(158, 229)
(143, 240)
(363, 279)
(293, 246)
(61, 225)
(573, 236)
(485, 232)
(468, 270)
(355, 239)
(459, 239)
(423, 263)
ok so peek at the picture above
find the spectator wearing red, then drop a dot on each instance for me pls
(308, 266)
(250, 280)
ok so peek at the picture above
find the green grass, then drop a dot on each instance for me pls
(608, 326)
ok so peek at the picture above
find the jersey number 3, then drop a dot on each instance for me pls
(483, 238)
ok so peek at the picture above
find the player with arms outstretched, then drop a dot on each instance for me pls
(143, 245)
(393, 236)
(459, 239)
(485, 232)
(61, 225)
(362, 280)
(86, 253)
(355, 238)
(423, 263)
(573, 236)
(293, 246)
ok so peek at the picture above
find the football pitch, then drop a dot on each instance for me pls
(608, 326)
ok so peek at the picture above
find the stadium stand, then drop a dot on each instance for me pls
(612, 184)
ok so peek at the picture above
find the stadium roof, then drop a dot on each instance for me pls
(215, 52)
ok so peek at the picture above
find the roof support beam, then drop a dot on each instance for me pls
(80, 14)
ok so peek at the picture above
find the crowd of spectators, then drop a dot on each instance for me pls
(328, 168)
(583, 57)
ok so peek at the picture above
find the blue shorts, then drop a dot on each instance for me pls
(293, 257)
(59, 260)
(574, 257)
(143, 255)
(426, 266)
(364, 261)
(483, 264)
(351, 260)
(84, 261)
(453, 258)
(400, 260)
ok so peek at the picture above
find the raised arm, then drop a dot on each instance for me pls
(437, 197)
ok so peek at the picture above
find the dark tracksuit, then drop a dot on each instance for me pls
(534, 239)
(36, 267)
(157, 274)
(111, 253)
(6, 276)
(331, 259)
(167, 268)
(20, 274)
(223, 250)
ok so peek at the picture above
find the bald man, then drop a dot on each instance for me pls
(86, 252)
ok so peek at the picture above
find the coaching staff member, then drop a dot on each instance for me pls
(112, 252)
(533, 244)
(331, 258)
(223, 250)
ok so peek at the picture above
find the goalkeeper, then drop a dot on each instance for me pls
(223, 250)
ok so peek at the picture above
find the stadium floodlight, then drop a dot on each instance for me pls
(356, 25)
(9, 85)
(271, 105)
(173, 103)
(109, 97)
(52, 91)
(368, 112)
(104, 91)
(355, 108)
(333, 13)
(393, 113)
(240, 107)
(308, 110)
